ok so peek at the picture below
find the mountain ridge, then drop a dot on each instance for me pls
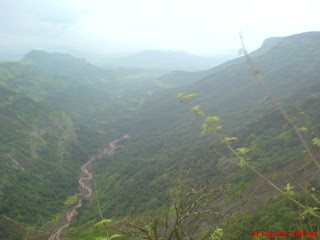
(165, 59)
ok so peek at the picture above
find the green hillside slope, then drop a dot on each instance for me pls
(40, 159)
(41, 147)
(180, 78)
(164, 141)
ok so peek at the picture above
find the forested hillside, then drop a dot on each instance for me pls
(40, 158)
(58, 111)
(43, 147)
(164, 141)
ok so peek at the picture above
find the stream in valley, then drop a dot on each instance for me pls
(84, 182)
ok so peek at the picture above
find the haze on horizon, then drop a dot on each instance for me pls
(202, 27)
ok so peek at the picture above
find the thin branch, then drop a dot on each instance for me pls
(166, 223)
(140, 229)
(197, 202)
(203, 212)
(100, 212)
(303, 188)
(221, 137)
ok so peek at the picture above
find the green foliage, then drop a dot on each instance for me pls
(197, 111)
(316, 142)
(72, 199)
(227, 140)
(279, 215)
(109, 238)
(37, 146)
(217, 234)
(104, 222)
(303, 129)
(206, 128)
(55, 218)
(184, 97)
(212, 119)
(289, 190)
(243, 151)
(310, 211)
(242, 163)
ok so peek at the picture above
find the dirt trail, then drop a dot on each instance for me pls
(84, 184)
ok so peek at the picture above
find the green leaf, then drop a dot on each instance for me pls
(242, 163)
(206, 127)
(227, 140)
(217, 234)
(212, 119)
(310, 211)
(303, 129)
(115, 236)
(180, 95)
(289, 190)
(242, 151)
(197, 111)
(316, 141)
(104, 221)
(191, 95)
(288, 187)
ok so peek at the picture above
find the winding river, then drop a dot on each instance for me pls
(84, 184)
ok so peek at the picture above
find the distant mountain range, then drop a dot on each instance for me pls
(169, 60)
(159, 59)
(179, 78)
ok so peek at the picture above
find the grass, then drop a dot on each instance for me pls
(72, 199)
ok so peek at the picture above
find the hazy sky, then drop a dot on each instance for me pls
(116, 26)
